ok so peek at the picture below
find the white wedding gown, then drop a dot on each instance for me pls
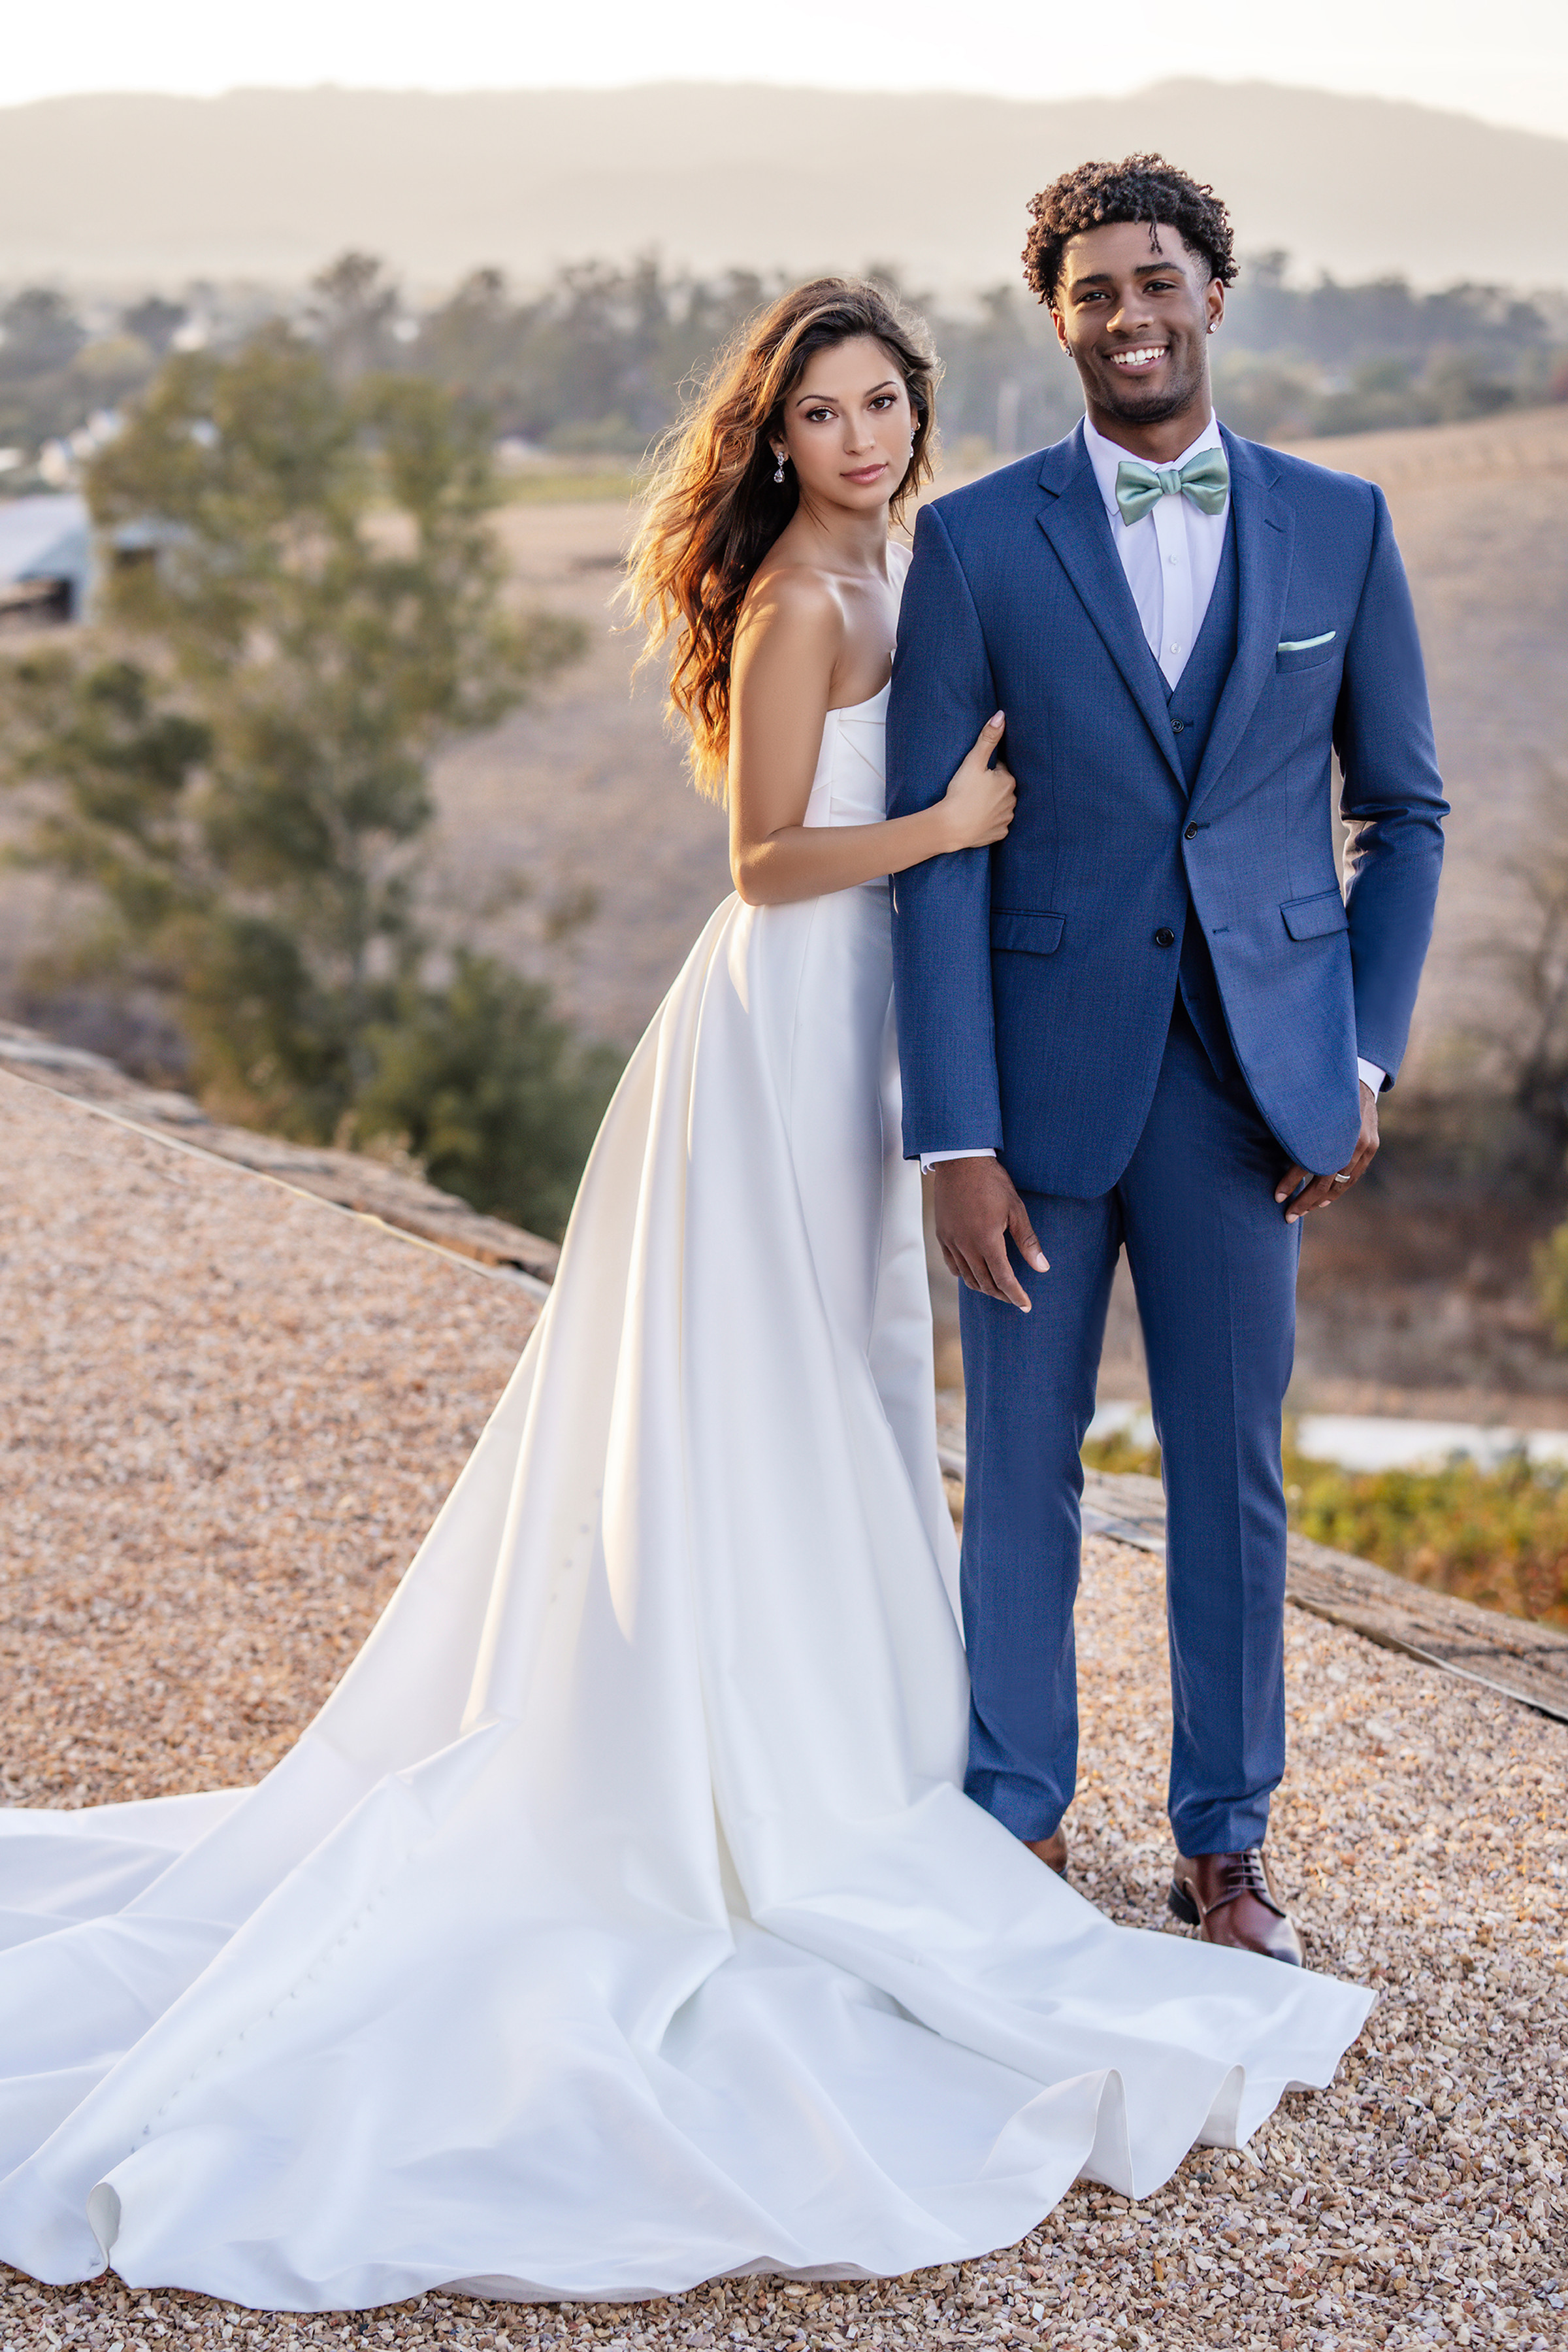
(620, 1921)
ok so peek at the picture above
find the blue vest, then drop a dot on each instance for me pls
(1192, 703)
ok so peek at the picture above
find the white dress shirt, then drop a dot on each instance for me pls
(1171, 559)
(1170, 555)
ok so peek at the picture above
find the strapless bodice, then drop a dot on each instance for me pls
(848, 786)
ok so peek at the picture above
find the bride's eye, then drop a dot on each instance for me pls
(885, 400)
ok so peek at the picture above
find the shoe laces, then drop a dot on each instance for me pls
(1244, 1875)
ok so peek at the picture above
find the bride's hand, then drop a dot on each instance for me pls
(978, 802)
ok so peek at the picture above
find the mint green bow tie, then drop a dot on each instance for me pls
(1205, 480)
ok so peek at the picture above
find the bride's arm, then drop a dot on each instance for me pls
(785, 649)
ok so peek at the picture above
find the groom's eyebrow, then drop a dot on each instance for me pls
(1107, 277)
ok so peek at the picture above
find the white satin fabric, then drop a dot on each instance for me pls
(619, 1920)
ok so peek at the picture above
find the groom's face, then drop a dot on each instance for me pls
(1134, 309)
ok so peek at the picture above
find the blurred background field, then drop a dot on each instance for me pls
(1496, 1536)
(431, 931)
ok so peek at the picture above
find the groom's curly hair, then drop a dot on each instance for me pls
(1139, 188)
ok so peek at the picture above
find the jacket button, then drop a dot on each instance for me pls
(1191, 833)
(1178, 726)
(1165, 937)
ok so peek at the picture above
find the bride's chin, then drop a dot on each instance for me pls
(862, 497)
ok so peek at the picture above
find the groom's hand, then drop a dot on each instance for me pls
(1299, 1190)
(978, 1208)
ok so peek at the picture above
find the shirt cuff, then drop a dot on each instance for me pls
(1367, 1072)
(928, 1159)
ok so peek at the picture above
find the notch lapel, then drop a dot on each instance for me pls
(1265, 533)
(1073, 518)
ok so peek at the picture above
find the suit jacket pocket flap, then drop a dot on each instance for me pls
(1025, 934)
(1315, 917)
(1306, 652)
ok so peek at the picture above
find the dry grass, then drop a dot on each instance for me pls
(564, 486)
(229, 1414)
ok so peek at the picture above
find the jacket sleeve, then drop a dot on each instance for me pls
(1393, 800)
(943, 693)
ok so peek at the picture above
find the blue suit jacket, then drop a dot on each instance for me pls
(1033, 1002)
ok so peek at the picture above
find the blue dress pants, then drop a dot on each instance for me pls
(1214, 1265)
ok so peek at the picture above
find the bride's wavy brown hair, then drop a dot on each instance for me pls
(713, 509)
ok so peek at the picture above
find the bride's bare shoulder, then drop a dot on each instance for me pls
(791, 606)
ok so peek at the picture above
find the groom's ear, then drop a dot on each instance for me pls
(1060, 323)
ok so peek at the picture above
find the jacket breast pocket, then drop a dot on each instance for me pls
(1021, 931)
(1313, 651)
(1317, 917)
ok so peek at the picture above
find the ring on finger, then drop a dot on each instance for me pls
(1344, 1179)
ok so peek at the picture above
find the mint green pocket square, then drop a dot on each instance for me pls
(1305, 645)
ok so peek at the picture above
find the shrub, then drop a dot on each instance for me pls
(1551, 1282)
(1496, 1537)
(497, 1101)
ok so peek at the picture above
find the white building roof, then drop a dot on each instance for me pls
(45, 537)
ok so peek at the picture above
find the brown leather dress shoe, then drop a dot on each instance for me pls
(1229, 1899)
(1053, 1851)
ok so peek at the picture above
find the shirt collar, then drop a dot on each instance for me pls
(1106, 456)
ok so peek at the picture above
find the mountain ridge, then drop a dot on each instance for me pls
(124, 189)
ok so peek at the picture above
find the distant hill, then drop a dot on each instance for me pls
(131, 190)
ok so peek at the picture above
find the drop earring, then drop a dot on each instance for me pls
(778, 465)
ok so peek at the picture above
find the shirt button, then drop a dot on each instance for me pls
(1176, 649)
(1191, 833)
(1165, 937)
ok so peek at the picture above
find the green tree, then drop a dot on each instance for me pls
(305, 600)
(351, 316)
(494, 1098)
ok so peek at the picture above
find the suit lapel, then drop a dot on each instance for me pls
(1073, 517)
(1264, 536)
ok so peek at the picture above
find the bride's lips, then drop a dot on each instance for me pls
(868, 473)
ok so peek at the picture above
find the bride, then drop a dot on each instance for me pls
(620, 1921)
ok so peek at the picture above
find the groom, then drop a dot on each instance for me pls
(1150, 1018)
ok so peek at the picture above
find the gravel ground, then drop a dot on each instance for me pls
(229, 1414)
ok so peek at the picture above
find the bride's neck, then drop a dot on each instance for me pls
(844, 542)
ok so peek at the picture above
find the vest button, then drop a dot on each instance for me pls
(1165, 937)
(1191, 833)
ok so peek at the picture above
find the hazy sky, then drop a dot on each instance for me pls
(1504, 59)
